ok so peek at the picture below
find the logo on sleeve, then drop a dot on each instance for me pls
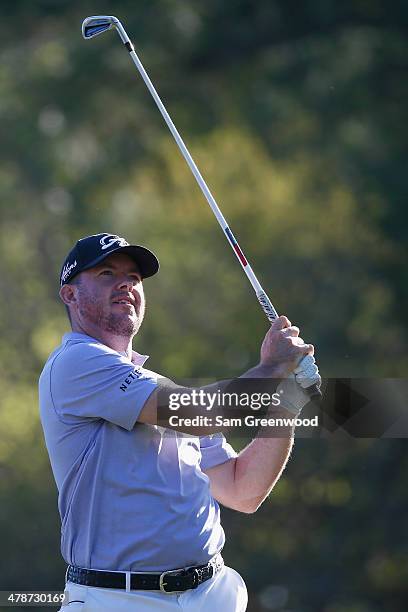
(130, 378)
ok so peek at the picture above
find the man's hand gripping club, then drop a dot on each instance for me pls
(283, 349)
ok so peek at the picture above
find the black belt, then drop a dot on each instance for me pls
(171, 581)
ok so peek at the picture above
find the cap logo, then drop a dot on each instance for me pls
(107, 241)
(67, 269)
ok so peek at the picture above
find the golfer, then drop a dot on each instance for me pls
(139, 502)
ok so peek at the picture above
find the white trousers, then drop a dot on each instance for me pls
(225, 592)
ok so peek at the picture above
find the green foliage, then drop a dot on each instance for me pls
(295, 115)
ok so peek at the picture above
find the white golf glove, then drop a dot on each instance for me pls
(293, 397)
(307, 373)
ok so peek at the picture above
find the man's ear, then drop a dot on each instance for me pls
(67, 294)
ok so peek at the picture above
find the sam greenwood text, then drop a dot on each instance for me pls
(247, 421)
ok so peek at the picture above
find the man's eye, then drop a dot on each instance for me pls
(109, 272)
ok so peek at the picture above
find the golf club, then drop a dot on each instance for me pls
(306, 373)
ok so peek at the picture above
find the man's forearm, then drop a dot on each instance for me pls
(258, 467)
(268, 378)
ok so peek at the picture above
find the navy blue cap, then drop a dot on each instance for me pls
(91, 250)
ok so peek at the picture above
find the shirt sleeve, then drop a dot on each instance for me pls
(215, 450)
(91, 381)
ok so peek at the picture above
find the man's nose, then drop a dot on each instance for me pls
(128, 282)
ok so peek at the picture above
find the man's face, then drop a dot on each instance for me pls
(110, 296)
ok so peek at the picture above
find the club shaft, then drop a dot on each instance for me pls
(263, 299)
(266, 303)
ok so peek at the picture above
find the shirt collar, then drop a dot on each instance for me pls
(137, 358)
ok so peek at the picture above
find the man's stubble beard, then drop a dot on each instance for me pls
(92, 310)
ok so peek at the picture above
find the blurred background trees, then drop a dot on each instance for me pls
(296, 116)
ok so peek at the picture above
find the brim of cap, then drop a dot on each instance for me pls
(146, 261)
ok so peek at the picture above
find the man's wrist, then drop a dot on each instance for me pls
(266, 370)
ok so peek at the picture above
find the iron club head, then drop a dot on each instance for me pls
(92, 26)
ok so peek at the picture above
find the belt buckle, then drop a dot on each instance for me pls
(162, 584)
